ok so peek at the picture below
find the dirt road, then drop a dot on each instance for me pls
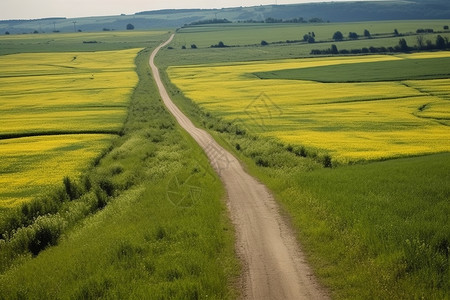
(274, 267)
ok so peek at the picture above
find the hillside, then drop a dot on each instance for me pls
(351, 11)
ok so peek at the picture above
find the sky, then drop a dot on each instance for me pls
(35, 9)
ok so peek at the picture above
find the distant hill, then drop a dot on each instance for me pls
(170, 18)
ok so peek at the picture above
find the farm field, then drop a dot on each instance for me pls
(119, 236)
(373, 230)
(70, 42)
(58, 112)
(377, 118)
(245, 40)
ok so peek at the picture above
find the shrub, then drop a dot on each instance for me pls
(338, 36)
(107, 186)
(327, 161)
(264, 43)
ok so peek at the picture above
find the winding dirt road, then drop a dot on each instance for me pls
(273, 265)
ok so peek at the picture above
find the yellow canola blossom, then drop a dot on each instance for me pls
(30, 165)
(59, 93)
(351, 121)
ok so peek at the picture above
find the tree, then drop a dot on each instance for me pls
(315, 20)
(403, 45)
(130, 26)
(193, 46)
(264, 43)
(183, 47)
(367, 33)
(7, 33)
(446, 27)
(309, 38)
(353, 35)
(334, 49)
(337, 36)
(440, 42)
(420, 42)
(395, 32)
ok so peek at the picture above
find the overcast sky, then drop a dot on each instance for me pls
(34, 9)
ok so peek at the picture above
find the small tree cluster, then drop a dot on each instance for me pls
(310, 37)
(338, 36)
(427, 30)
(219, 45)
(440, 44)
(353, 36)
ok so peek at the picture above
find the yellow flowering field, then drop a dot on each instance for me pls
(31, 164)
(65, 91)
(45, 98)
(351, 121)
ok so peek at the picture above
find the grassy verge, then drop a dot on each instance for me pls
(371, 231)
(162, 228)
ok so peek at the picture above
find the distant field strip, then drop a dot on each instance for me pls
(366, 120)
(57, 113)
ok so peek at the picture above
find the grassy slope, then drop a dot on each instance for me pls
(417, 69)
(147, 241)
(371, 231)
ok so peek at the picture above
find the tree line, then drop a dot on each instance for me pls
(441, 43)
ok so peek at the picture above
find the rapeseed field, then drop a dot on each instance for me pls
(351, 121)
(57, 112)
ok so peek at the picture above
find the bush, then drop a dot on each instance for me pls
(327, 161)
(338, 36)
(107, 186)
(264, 43)
(353, 36)
(219, 45)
